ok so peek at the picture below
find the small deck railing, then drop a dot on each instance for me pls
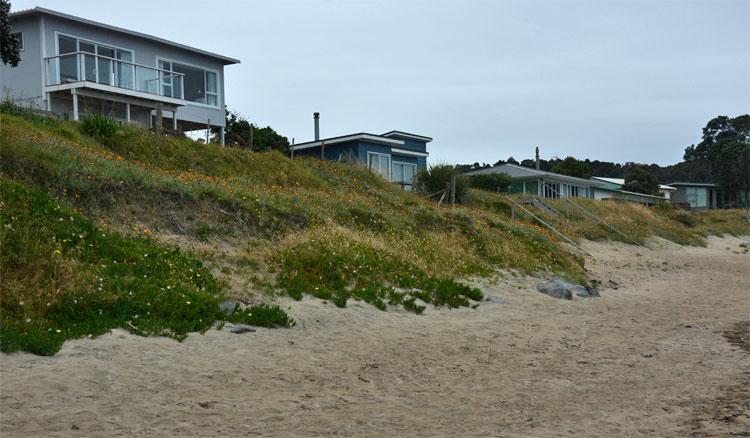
(84, 66)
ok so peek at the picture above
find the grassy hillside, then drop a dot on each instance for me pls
(253, 225)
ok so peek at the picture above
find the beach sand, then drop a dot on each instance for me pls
(663, 354)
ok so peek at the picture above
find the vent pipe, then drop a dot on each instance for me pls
(537, 158)
(316, 118)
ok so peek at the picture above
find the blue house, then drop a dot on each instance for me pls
(395, 155)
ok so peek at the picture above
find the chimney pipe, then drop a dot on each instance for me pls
(316, 117)
(537, 158)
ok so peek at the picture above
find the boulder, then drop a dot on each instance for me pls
(495, 300)
(559, 288)
(241, 328)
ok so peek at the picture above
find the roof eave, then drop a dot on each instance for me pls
(39, 10)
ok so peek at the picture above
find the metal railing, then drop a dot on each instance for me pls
(84, 66)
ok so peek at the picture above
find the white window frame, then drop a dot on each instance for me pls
(19, 38)
(404, 163)
(78, 49)
(379, 154)
(159, 59)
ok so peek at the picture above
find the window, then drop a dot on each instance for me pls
(19, 37)
(379, 163)
(103, 69)
(551, 190)
(199, 85)
(403, 174)
(573, 191)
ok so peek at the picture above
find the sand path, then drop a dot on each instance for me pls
(648, 359)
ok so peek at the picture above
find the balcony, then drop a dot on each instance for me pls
(102, 73)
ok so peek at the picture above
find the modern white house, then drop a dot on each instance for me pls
(72, 67)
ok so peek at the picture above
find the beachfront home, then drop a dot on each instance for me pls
(699, 196)
(72, 67)
(612, 189)
(396, 155)
(541, 183)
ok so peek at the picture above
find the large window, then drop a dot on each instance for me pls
(380, 164)
(199, 85)
(103, 69)
(403, 174)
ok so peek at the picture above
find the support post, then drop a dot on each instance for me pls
(159, 125)
(208, 129)
(453, 190)
(127, 112)
(75, 104)
(174, 122)
(513, 213)
(221, 133)
(48, 102)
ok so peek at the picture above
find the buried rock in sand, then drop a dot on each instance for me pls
(559, 288)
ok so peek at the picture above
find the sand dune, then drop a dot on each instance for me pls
(651, 358)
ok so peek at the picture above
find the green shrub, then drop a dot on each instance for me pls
(64, 278)
(491, 182)
(99, 127)
(438, 177)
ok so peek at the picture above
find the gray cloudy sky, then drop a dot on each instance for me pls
(617, 81)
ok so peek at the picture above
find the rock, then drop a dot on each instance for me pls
(613, 284)
(239, 329)
(228, 306)
(494, 299)
(559, 288)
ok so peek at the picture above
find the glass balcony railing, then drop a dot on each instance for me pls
(82, 66)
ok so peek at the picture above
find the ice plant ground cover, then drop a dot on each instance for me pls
(253, 225)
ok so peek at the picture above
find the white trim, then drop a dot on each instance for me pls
(370, 137)
(406, 152)
(39, 10)
(407, 135)
(380, 154)
(115, 90)
(78, 49)
(404, 163)
(219, 82)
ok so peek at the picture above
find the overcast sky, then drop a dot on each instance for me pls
(616, 81)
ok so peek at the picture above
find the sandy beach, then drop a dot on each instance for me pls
(663, 352)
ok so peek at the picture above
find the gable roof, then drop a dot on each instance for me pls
(44, 11)
(621, 182)
(520, 172)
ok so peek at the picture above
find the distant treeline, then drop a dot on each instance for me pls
(722, 157)
(693, 171)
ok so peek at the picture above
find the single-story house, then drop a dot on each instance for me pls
(396, 155)
(72, 66)
(699, 196)
(612, 189)
(541, 183)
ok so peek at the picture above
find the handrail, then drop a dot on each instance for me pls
(172, 73)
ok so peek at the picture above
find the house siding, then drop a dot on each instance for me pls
(145, 52)
(23, 83)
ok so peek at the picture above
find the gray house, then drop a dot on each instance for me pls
(541, 183)
(72, 67)
(699, 196)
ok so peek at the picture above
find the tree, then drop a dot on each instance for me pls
(241, 133)
(640, 180)
(10, 47)
(571, 167)
(725, 147)
(492, 182)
